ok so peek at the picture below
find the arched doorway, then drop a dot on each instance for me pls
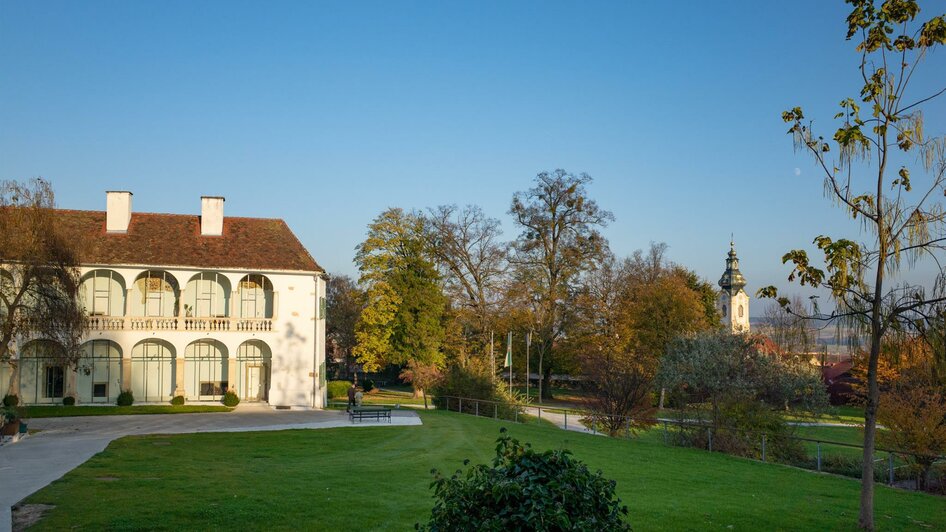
(254, 359)
(42, 372)
(152, 371)
(99, 372)
(205, 370)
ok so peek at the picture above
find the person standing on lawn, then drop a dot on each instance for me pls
(358, 398)
(351, 397)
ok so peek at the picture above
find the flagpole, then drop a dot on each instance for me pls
(528, 377)
(509, 358)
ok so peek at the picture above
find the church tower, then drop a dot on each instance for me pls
(733, 302)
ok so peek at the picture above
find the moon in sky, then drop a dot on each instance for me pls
(798, 171)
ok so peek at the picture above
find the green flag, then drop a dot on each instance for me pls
(508, 350)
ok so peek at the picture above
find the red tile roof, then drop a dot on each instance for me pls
(175, 240)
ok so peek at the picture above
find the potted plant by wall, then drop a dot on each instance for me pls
(9, 421)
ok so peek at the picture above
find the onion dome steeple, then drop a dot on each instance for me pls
(732, 280)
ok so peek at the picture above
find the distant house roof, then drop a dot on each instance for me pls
(175, 240)
(835, 371)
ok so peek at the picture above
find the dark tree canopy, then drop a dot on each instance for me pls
(39, 275)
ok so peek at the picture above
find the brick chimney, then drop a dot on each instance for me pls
(211, 215)
(117, 211)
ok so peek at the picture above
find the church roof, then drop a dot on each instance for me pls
(174, 240)
(732, 280)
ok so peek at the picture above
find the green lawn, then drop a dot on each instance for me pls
(561, 397)
(377, 478)
(853, 415)
(32, 412)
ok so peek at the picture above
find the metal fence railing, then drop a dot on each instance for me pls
(821, 454)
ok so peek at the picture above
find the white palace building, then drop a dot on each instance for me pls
(187, 305)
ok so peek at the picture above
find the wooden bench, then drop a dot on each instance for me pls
(361, 413)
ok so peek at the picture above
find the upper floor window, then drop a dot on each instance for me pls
(103, 293)
(207, 295)
(157, 293)
(257, 298)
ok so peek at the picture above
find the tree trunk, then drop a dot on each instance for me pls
(866, 519)
(418, 393)
(11, 390)
(546, 379)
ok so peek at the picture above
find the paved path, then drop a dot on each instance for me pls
(67, 442)
(569, 422)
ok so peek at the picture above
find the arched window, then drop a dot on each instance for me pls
(207, 295)
(724, 311)
(152, 371)
(103, 293)
(740, 311)
(253, 363)
(205, 370)
(157, 294)
(256, 297)
(98, 375)
(42, 372)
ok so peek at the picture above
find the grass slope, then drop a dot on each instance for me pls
(377, 478)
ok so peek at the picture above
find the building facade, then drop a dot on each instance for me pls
(183, 305)
(733, 301)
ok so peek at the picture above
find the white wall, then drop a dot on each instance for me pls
(297, 338)
(731, 319)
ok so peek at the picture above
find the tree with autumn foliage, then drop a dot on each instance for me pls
(883, 170)
(560, 240)
(624, 316)
(914, 418)
(402, 319)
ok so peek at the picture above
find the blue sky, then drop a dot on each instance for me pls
(326, 113)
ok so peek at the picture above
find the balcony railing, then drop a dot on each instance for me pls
(153, 323)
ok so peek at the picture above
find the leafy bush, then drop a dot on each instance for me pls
(526, 490)
(739, 432)
(474, 381)
(367, 385)
(11, 400)
(126, 398)
(69, 400)
(8, 414)
(231, 399)
(178, 400)
(338, 389)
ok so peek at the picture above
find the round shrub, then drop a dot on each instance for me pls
(526, 490)
(367, 385)
(11, 400)
(178, 400)
(231, 399)
(126, 398)
(69, 400)
(338, 389)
